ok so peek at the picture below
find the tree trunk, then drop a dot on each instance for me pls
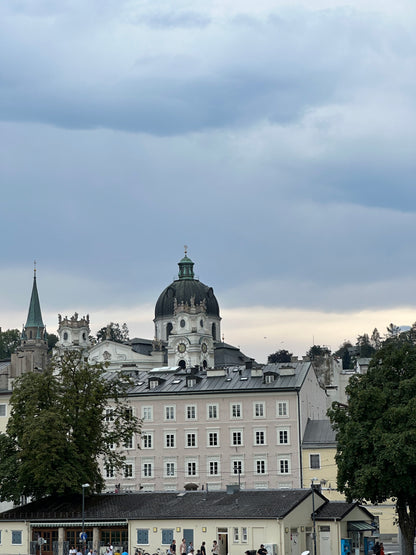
(406, 512)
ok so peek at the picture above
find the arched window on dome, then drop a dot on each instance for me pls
(182, 364)
(204, 364)
(214, 332)
(169, 328)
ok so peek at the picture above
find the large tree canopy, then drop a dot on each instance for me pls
(9, 341)
(114, 332)
(280, 356)
(62, 422)
(376, 433)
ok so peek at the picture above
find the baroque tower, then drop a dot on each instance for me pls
(74, 333)
(187, 317)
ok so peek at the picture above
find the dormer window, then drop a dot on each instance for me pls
(269, 378)
(190, 382)
(153, 383)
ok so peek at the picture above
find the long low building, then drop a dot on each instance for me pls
(239, 521)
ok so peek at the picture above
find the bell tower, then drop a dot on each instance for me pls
(32, 354)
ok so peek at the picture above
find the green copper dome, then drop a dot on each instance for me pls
(184, 289)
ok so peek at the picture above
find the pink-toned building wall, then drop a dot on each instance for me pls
(207, 438)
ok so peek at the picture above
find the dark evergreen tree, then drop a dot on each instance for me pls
(365, 349)
(376, 339)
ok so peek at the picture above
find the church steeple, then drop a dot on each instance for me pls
(34, 316)
(32, 354)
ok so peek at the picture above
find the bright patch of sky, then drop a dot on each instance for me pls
(275, 138)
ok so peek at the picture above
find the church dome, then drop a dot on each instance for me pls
(183, 290)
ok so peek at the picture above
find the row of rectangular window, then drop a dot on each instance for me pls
(191, 468)
(213, 439)
(236, 411)
(167, 535)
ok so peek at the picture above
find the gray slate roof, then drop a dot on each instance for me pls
(237, 378)
(164, 505)
(319, 433)
(339, 510)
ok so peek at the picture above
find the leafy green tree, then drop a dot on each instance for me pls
(9, 341)
(52, 341)
(60, 429)
(114, 332)
(280, 356)
(376, 433)
(317, 351)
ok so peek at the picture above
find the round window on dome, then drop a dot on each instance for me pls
(182, 323)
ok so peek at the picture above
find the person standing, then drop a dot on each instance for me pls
(203, 550)
(190, 548)
(262, 550)
(172, 547)
(215, 548)
(182, 547)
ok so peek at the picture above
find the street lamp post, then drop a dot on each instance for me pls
(83, 536)
(313, 516)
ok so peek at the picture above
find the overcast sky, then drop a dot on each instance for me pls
(275, 138)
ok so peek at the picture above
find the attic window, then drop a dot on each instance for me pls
(269, 378)
(153, 383)
(243, 379)
(176, 381)
(190, 382)
(227, 379)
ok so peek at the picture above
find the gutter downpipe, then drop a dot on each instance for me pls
(300, 441)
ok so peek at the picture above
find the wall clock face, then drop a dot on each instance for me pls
(181, 347)
(204, 348)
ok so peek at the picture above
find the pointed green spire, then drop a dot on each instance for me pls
(186, 267)
(34, 317)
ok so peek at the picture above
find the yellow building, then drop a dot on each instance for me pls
(319, 448)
